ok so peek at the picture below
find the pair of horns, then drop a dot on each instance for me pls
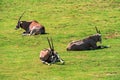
(21, 16)
(50, 42)
(98, 31)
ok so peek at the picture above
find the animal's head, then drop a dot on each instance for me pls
(19, 22)
(98, 35)
(97, 38)
(54, 56)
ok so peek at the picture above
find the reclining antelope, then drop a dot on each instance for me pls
(50, 56)
(30, 27)
(89, 43)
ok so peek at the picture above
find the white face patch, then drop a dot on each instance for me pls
(21, 22)
(98, 34)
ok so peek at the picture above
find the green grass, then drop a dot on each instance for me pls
(65, 20)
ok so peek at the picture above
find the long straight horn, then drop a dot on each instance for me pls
(21, 16)
(98, 31)
(49, 43)
(52, 43)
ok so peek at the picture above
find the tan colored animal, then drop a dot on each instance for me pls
(49, 56)
(30, 27)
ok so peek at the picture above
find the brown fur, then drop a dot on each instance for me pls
(44, 54)
(85, 44)
(30, 27)
(48, 56)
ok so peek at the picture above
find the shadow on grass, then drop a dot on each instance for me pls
(27, 34)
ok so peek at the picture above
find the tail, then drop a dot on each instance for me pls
(68, 49)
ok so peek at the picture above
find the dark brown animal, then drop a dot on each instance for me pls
(88, 43)
(30, 27)
(49, 56)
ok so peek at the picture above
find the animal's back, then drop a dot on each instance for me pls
(44, 54)
(36, 28)
(35, 23)
(78, 45)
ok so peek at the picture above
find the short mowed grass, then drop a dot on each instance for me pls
(65, 21)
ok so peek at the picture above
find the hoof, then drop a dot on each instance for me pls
(62, 62)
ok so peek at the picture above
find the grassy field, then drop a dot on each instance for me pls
(65, 20)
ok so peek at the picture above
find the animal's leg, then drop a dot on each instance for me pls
(25, 33)
(93, 46)
(97, 47)
(44, 62)
(60, 59)
(53, 59)
(102, 47)
(31, 32)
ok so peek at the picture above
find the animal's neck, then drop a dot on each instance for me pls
(25, 25)
(94, 38)
(52, 52)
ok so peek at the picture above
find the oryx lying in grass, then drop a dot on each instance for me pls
(49, 56)
(30, 27)
(88, 43)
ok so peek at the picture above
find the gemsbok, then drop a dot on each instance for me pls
(30, 27)
(50, 56)
(89, 43)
